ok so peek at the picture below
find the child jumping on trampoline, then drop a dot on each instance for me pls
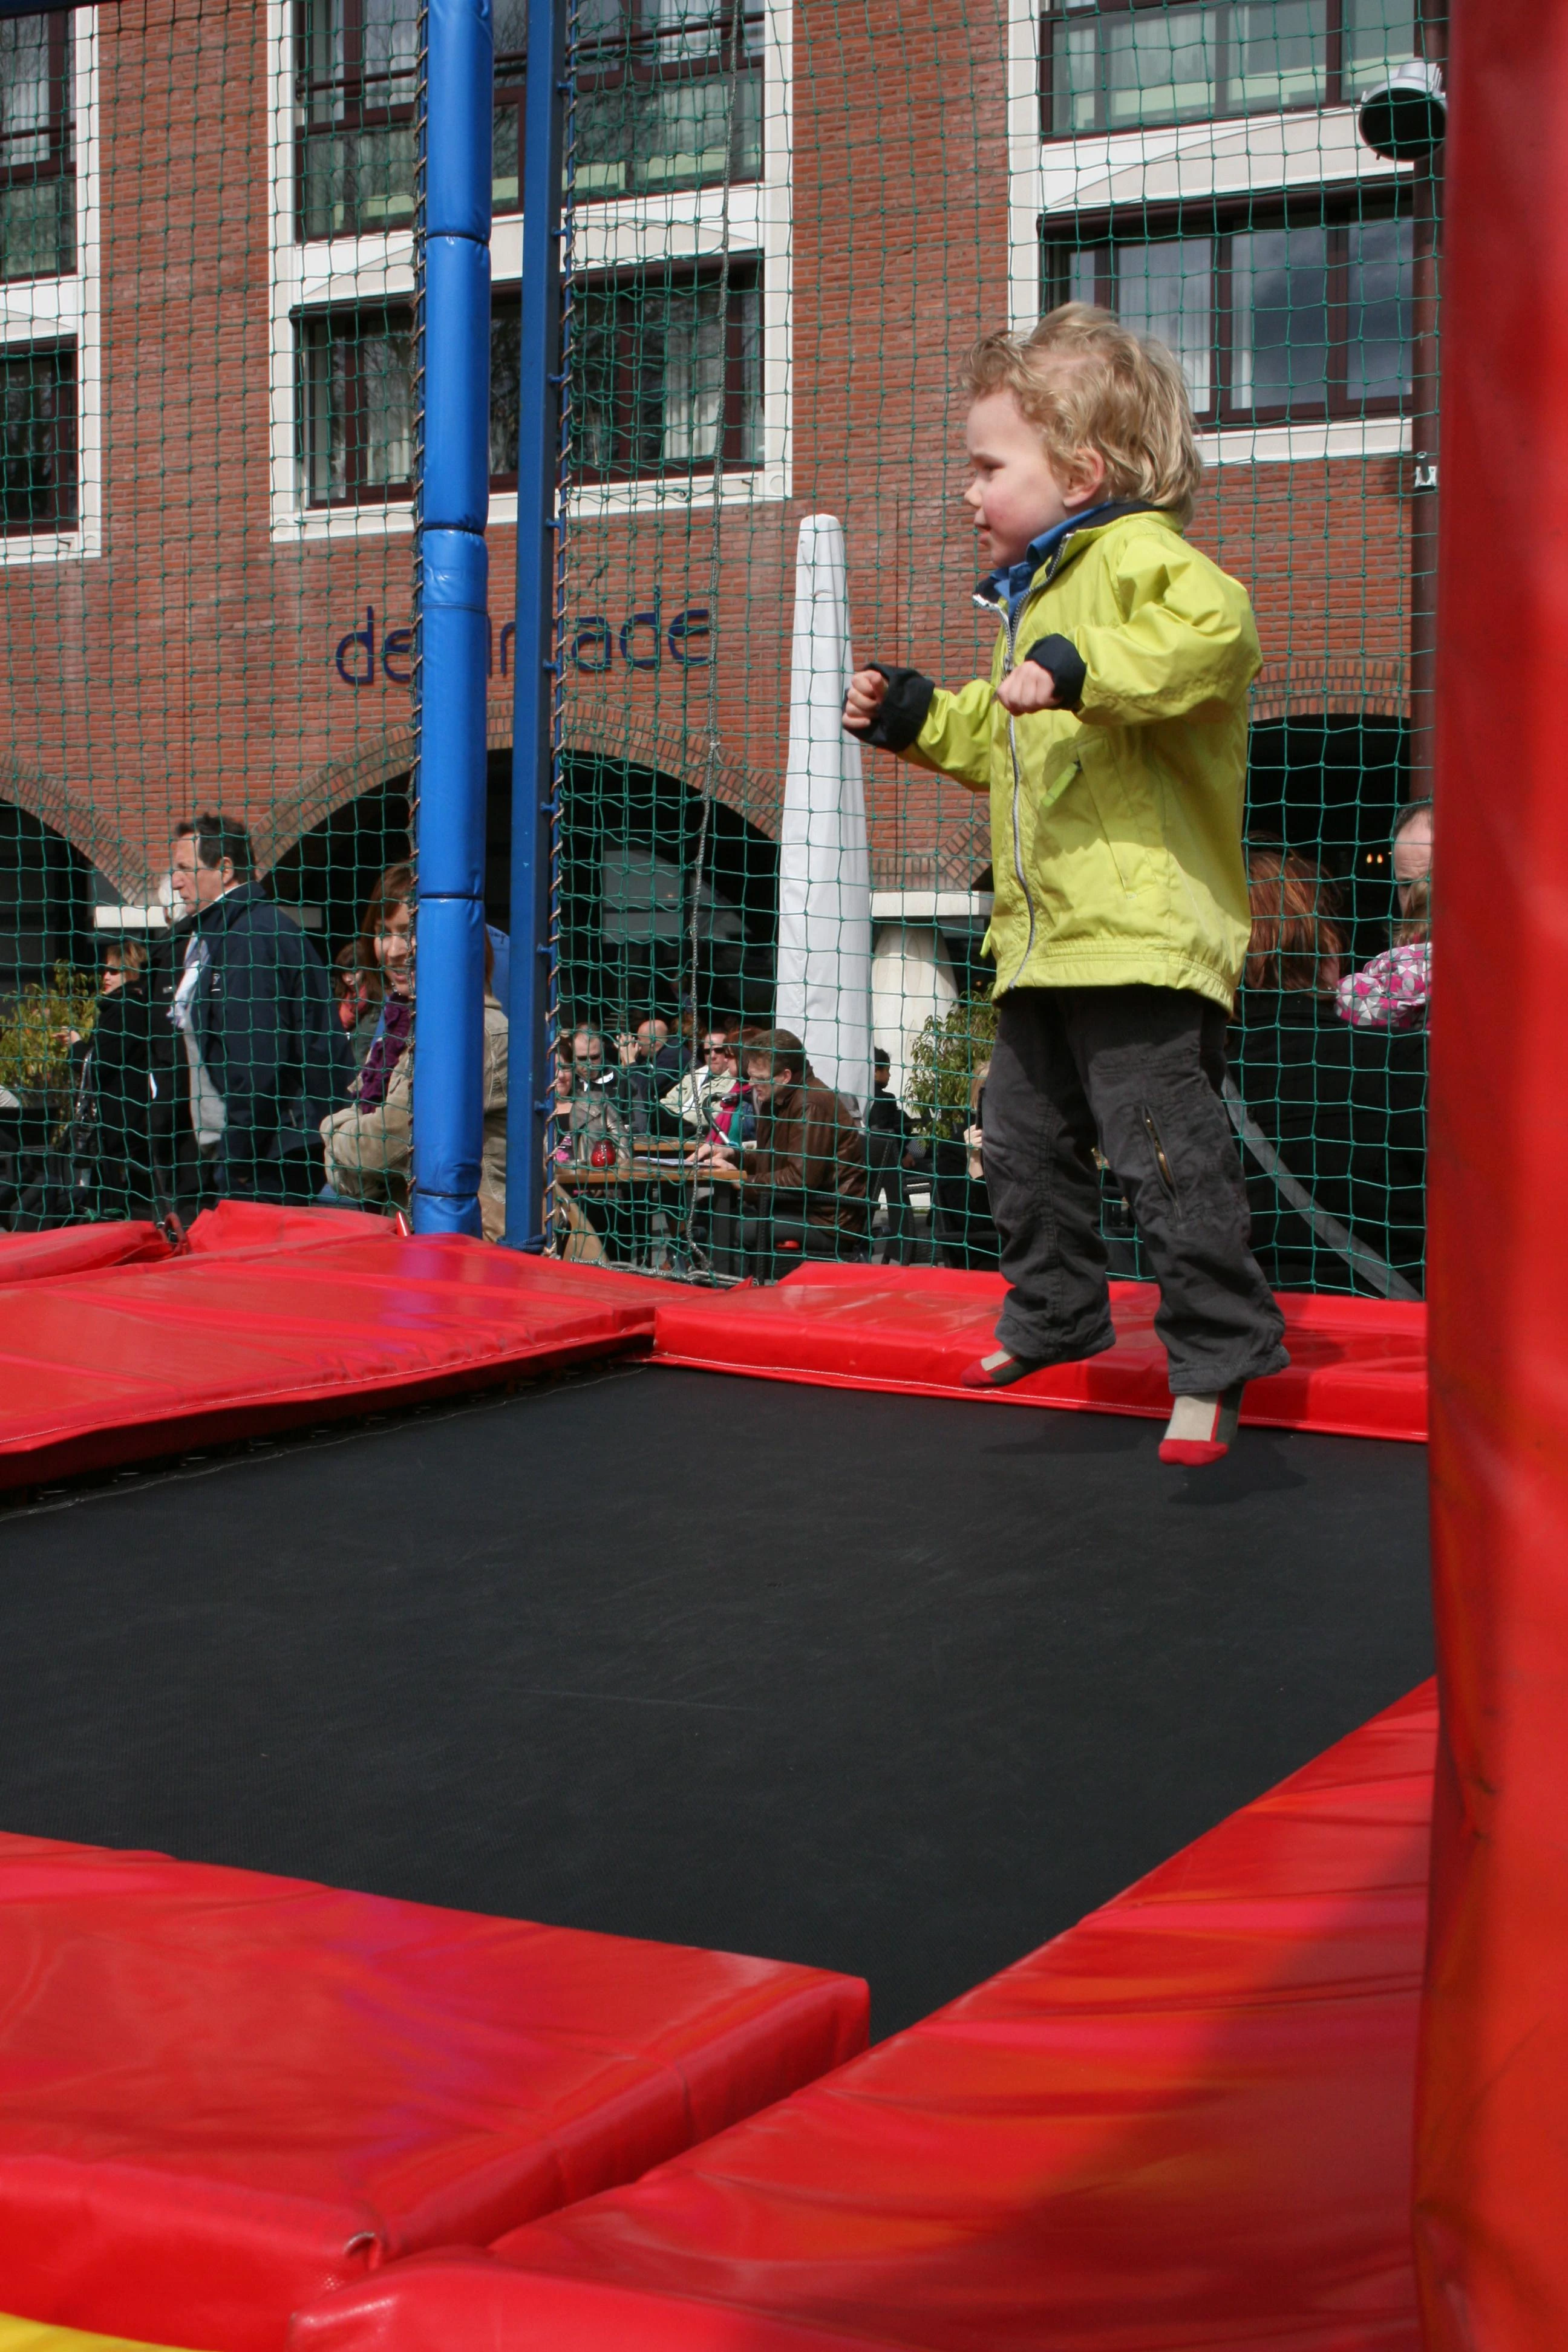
(1111, 735)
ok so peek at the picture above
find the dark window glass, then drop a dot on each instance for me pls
(356, 71)
(506, 129)
(38, 461)
(356, 406)
(1124, 65)
(1375, 35)
(1377, 317)
(665, 373)
(1299, 318)
(1279, 320)
(506, 354)
(38, 165)
(669, 95)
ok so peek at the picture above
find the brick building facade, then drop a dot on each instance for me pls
(791, 217)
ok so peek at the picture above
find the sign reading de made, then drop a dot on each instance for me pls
(595, 644)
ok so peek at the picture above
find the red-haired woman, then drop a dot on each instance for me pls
(1331, 1118)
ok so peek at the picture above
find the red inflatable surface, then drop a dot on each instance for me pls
(1358, 1365)
(1185, 2124)
(77, 1249)
(277, 1316)
(221, 2093)
(1492, 2138)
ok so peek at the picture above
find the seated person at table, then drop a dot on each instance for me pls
(700, 1093)
(593, 1133)
(650, 1062)
(806, 1172)
(1332, 1118)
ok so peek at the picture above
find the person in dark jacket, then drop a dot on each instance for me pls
(1331, 1120)
(890, 1133)
(115, 1100)
(267, 1057)
(806, 1172)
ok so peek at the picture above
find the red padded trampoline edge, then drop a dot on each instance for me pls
(116, 1443)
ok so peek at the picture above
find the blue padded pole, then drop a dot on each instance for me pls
(452, 258)
(538, 668)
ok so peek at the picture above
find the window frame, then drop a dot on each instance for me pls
(55, 348)
(355, 115)
(1334, 90)
(637, 56)
(363, 495)
(741, 275)
(511, 88)
(60, 163)
(1311, 208)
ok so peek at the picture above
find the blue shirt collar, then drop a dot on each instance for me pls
(1012, 582)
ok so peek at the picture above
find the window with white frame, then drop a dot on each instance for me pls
(665, 380)
(1275, 314)
(680, 249)
(39, 484)
(37, 153)
(356, 69)
(50, 482)
(669, 95)
(356, 405)
(1128, 65)
(666, 373)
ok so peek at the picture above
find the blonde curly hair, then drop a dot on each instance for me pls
(1085, 381)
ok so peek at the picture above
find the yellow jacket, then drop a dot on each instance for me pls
(1116, 828)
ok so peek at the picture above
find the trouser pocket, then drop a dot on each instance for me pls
(1161, 1158)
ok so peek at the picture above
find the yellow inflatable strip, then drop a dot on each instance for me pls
(37, 2336)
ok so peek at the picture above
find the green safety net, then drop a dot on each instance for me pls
(786, 223)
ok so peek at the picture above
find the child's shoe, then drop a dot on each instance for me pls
(1201, 1428)
(998, 1371)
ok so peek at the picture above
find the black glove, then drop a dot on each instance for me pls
(903, 709)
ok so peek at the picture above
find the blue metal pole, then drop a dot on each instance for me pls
(452, 644)
(538, 668)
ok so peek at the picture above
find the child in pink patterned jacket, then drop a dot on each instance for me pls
(1394, 989)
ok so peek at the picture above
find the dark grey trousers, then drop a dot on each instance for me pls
(1137, 1070)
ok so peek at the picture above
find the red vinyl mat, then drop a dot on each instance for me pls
(277, 1316)
(1182, 2125)
(1358, 1365)
(223, 2094)
(77, 1249)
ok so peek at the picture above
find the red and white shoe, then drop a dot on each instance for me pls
(1202, 1429)
(998, 1371)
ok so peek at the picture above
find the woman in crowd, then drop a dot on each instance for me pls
(1331, 1118)
(116, 1094)
(357, 992)
(370, 1146)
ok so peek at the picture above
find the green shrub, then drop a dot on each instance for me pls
(35, 1042)
(946, 1056)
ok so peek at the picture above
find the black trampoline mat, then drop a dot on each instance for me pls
(887, 1685)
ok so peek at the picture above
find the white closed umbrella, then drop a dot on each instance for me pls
(823, 989)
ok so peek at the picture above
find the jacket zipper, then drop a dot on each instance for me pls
(1017, 791)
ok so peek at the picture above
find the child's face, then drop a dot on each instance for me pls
(1016, 493)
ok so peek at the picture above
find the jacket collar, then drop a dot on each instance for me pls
(235, 901)
(1010, 584)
